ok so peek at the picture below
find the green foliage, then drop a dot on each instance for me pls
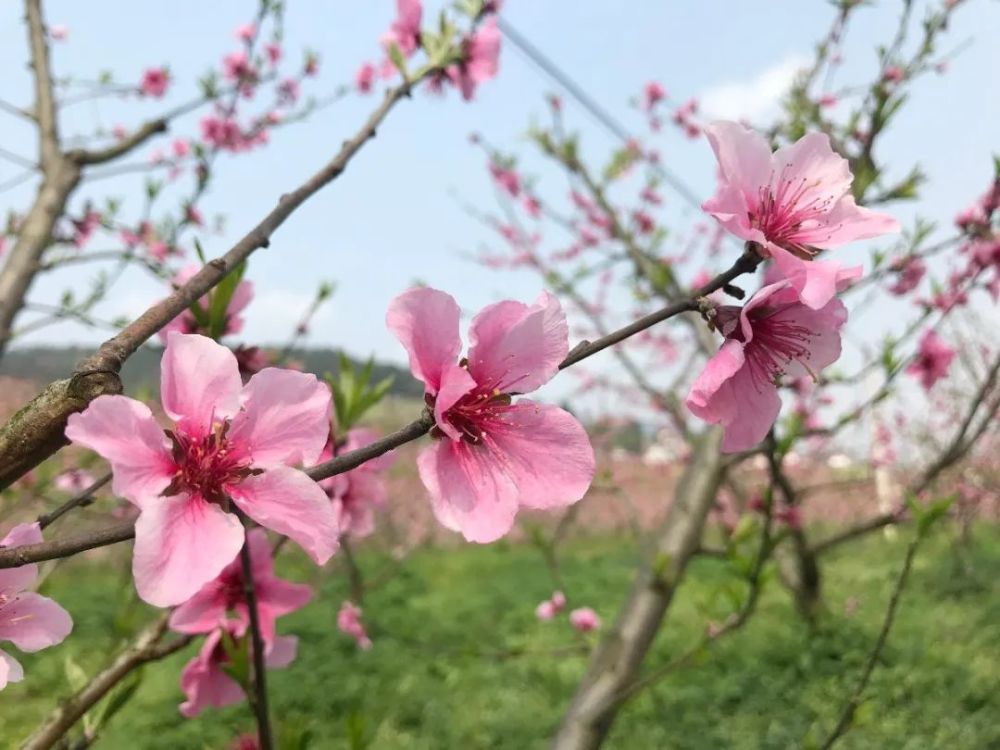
(441, 676)
(353, 393)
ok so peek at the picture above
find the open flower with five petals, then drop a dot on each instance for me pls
(792, 203)
(492, 455)
(230, 443)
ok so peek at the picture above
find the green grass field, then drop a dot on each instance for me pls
(460, 661)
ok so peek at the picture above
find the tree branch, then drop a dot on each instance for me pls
(259, 687)
(13, 557)
(144, 649)
(45, 109)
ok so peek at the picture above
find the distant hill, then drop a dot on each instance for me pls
(142, 370)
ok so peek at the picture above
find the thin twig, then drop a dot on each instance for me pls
(259, 686)
(847, 715)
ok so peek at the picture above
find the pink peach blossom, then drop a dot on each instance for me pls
(481, 61)
(221, 603)
(490, 456)
(155, 82)
(230, 443)
(186, 322)
(775, 334)
(545, 611)
(357, 493)
(207, 685)
(364, 78)
(909, 272)
(549, 608)
(74, 480)
(273, 52)
(792, 203)
(404, 31)
(59, 32)
(653, 94)
(245, 32)
(584, 619)
(29, 621)
(180, 147)
(349, 623)
(932, 361)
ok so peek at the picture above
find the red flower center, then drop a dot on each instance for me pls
(207, 466)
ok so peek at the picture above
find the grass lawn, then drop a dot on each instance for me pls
(442, 673)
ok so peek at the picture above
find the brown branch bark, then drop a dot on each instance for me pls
(13, 557)
(615, 664)
(37, 430)
(146, 648)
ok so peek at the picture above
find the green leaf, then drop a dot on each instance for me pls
(399, 61)
(75, 675)
(219, 299)
(119, 697)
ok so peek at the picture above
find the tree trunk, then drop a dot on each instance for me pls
(34, 236)
(616, 663)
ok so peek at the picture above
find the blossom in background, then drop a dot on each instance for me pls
(584, 619)
(652, 94)
(932, 361)
(909, 273)
(29, 621)
(506, 179)
(773, 335)
(245, 32)
(490, 455)
(792, 203)
(229, 442)
(349, 623)
(186, 322)
(222, 603)
(481, 61)
(204, 679)
(549, 608)
(74, 481)
(59, 32)
(356, 494)
(364, 78)
(155, 82)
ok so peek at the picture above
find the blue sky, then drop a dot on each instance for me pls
(394, 216)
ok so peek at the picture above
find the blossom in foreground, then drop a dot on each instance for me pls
(584, 619)
(229, 442)
(775, 334)
(349, 623)
(222, 603)
(356, 494)
(186, 322)
(481, 61)
(932, 361)
(792, 203)
(207, 685)
(155, 82)
(29, 621)
(492, 456)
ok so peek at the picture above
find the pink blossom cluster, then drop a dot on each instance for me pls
(356, 494)
(349, 623)
(231, 445)
(29, 621)
(220, 612)
(187, 322)
(491, 455)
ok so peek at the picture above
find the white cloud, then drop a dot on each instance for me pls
(756, 99)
